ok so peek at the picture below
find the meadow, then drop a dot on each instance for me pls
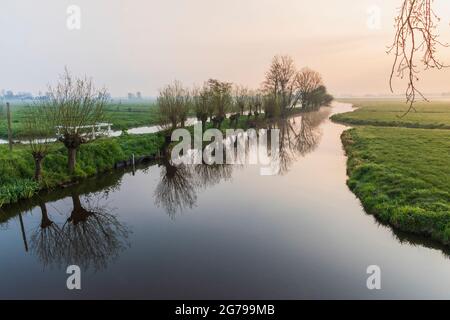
(98, 156)
(101, 155)
(122, 115)
(388, 113)
(401, 174)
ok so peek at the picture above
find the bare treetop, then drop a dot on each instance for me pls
(76, 103)
(308, 80)
(281, 75)
(285, 87)
(415, 32)
(173, 103)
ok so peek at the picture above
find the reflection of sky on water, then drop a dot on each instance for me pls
(301, 234)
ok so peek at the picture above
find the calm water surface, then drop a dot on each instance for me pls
(218, 232)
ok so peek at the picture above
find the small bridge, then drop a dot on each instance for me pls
(90, 132)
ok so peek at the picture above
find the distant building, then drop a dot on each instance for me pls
(9, 95)
(130, 96)
(24, 96)
(43, 96)
(138, 95)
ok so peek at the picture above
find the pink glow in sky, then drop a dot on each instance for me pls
(141, 45)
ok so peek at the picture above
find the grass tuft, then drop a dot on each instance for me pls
(402, 176)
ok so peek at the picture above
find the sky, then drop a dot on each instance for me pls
(142, 45)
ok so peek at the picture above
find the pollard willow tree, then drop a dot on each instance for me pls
(241, 98)
(201, 101)
(254, 102)
(75, 105)
(221, 99)
(39, 128)
(415, 42)
(174, 102)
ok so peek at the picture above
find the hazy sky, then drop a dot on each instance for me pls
(138, 45)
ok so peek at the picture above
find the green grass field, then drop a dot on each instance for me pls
(122, 115)
(402, 176)
(432, 115)
(131, 115)
(17, 167)
(400, 167)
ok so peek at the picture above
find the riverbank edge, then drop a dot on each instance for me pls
(98, 157)
(25, 188)
(341, 119)
(409, 223)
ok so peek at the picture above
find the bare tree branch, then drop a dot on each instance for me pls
(415, 32)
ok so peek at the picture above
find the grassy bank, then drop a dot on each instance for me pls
(433, 115)
(122, 116)
(17, 167)
(90, 185)
(402, 176)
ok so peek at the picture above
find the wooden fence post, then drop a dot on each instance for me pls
(8, 116)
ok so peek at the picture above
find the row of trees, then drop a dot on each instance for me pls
(211, 101)
(284, 88)
(287, 87)
(74, 106)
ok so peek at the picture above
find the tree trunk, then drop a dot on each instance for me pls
(79, 214)
(72, 159)
(204, 119)
(45, 221)
(38, 168)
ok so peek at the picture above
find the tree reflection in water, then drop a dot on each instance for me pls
(90, 237)
(209, 175)
(176, 190)
(298, 136)
(47, 241)
(179, 184)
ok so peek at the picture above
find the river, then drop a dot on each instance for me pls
(218, 232)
